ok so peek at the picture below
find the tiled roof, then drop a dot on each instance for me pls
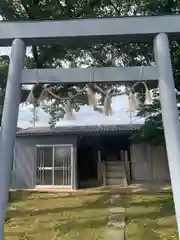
(72, 130)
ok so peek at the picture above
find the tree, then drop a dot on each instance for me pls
(153, 130)
(4, 65)
(109, 54)
(56, 56)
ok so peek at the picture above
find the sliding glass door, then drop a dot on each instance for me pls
(54, 166)
(44, 166)
(62, 165)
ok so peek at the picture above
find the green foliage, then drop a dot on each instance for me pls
(4, 62)
(83, 54)
(149, 133)
(153, 130)
(4, 65)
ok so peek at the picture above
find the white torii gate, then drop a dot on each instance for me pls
(129, 29)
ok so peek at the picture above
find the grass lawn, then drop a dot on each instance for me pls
(84, 216)
(42, 216)
(151, 217)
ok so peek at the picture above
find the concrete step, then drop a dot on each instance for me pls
(121, 181)
(115, 163)
(114, 168)
(115, 174)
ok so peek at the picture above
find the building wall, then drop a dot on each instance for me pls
(160, 163)
(25, 155)
(149, 162)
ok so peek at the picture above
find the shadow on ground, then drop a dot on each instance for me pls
(44, 213)
(98, 204)
(151, 217)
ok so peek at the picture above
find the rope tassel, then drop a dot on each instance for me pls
(107, 106)
(44, 96)
(68, 111)
(33, 96)
(91, 97)
(148, 98)
(134, 102)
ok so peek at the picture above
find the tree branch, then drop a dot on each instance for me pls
(114, 6)
(38, 61)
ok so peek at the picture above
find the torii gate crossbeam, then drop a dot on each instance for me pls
(92, 30)
(158, 27)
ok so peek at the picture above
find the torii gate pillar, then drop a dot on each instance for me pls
(170, 115)
(9, 124)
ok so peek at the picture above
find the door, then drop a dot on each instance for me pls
(44, 166)
(62, 165)
(54, 166)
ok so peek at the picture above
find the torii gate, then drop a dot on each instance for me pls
(22, 34)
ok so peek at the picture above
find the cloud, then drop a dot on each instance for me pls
(26, 115)
(85, 116)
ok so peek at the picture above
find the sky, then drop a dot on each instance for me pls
(4, 50)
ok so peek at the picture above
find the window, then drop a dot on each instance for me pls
(54, 165)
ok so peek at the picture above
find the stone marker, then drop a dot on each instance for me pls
(117, 221)
(116, 196)
(115, 234)
(116, 224)
(117, 210)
